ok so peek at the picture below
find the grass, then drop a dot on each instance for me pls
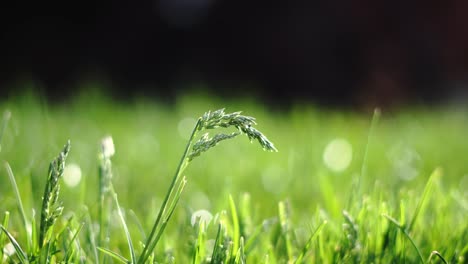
(401, 196)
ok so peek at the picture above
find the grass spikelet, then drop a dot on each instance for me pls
(106, 191)
(51, 208)
(219, 118)
(105, 177)
(205, 143)
(351, 231)
(209, 120)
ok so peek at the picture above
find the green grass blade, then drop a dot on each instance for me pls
(436, 253)
(309, 242)
(235, 224)
(285, 228)
(180, 168)
(6, 118)
(91, 235)
(217, 256)
(19, 202)
(6, 221)
(137, 223)
(200, 243)
(22, 256)
(357, 184)
(254, 236)
(73, 239)
(114, 255)
(427, 190)
(171, 210)
(124, 226)
(403, 230)
(34, 237)
(240, 256)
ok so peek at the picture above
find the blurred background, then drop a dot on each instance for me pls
(338, 52)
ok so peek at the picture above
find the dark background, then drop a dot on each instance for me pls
(358, 52)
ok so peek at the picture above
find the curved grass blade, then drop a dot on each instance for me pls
(114, 255)
(427, 189)
(283, 214)
(22, 256)
(19, 202)
(403, 230)
(240, 256)
(74, 238)
(124, 226)
(149, 245)
(200, 244)
(6, 221)
(218, 255)
(357, 183)
(171, 210)
(309, 242)
(436, 253)
(235, 224)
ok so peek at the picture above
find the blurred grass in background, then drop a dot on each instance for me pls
(321, 153)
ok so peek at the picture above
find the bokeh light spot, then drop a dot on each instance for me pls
(406, 161)
(72, 175)
(201, 215)
(338, 154)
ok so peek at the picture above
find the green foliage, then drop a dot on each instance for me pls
(401, 199)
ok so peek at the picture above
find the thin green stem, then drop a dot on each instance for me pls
(19, 202)
(357, 184)
(180, 168)
(6, 118)
(124, 225)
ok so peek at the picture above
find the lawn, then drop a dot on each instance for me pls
(344, 187)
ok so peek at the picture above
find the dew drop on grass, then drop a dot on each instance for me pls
(338, 154)
(72, 175)
(201, 215)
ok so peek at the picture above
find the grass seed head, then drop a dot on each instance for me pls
(205, 143)
(244, 124)
(51, 208)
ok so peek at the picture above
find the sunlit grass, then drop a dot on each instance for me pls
(300, 205)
